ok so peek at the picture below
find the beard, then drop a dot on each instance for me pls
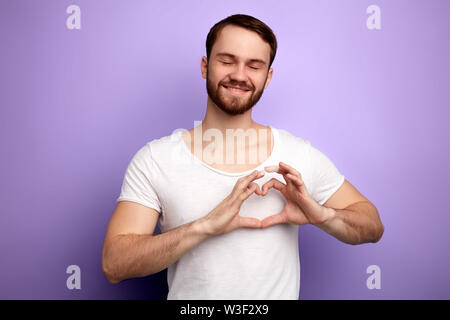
(232, 104)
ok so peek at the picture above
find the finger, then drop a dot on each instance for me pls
(271, 169)
(251, 177)
(295, 180)
(241, 184)
(257, 189)
(272, 183)
(244, 195)
(245, 181)
(273, 220)
(252, 187)
(283, 169)
(289, 173)
(287, 168)
(298, 183)
(249, 222)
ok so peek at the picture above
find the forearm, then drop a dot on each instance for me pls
(356, 224)
(134, 255)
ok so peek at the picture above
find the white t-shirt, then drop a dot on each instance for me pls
(242, 264)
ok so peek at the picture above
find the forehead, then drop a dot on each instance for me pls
(242, 43)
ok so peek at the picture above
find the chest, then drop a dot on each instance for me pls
(195, 193)
(229, 155)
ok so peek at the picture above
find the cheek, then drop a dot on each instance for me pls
(217, 72)
(259, 83)
(215, 77)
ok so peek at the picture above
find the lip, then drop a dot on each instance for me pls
(244, 90)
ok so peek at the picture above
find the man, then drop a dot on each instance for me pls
(230, 227)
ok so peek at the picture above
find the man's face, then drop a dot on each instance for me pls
(237, 72)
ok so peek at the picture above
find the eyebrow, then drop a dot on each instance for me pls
(232, 56)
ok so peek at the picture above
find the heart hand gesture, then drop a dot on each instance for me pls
(300, 207)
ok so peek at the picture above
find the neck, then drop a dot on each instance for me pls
(218, 119)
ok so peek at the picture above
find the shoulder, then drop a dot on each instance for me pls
(289, 140)
(166, 149)
(158, 147)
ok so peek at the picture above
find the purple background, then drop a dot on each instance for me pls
(77, 104)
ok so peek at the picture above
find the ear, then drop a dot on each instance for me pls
(269, 77)
(204, 66)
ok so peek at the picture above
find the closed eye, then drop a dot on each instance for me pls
(228, 63)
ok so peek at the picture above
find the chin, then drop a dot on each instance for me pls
(234, 111)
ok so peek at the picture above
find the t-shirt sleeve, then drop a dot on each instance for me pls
(137, 185)
(325, 177)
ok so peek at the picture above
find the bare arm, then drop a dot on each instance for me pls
(137, 255)
(131, 250)
(358, 223)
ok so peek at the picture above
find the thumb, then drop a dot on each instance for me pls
(249, 222)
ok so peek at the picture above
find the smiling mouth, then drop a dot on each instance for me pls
(235, 90)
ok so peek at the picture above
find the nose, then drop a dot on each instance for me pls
(238, 73)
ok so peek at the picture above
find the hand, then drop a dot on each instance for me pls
(225, 217)
(300, 207)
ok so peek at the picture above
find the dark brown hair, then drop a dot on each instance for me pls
(247, 22)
